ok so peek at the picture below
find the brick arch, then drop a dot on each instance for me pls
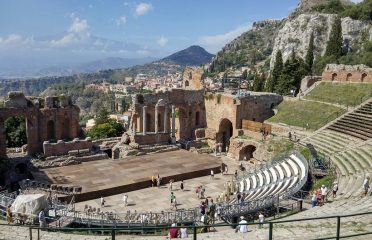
(349, 76)
(334, 76)
(225, 132)
(246, 152)
(363, 77)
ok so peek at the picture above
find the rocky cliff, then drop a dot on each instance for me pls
(296, 32)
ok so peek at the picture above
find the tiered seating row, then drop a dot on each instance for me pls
(274, 180)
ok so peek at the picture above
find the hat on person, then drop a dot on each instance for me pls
(241, 217)
(323, 185)
(173, 224)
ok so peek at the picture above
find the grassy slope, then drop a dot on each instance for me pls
(299, 113)
(341, 93)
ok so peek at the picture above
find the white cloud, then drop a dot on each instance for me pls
(162, 41)
(142, 9)
(122, 20)
(77, 32)
(214, 43)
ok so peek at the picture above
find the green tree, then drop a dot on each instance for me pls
(334, 45)
(102, 117)
(245, 74)
(277, 70)
(106, 130)
(15, 128)
(259, 83)
(309, 59)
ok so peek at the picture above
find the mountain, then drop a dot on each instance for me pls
(194, 55)
(255, 48)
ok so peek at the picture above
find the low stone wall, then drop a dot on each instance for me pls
(151, 138)
(236, 145)
(62, 147)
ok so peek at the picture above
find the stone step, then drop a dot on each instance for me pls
(340, 162)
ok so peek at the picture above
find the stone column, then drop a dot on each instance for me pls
(173, 130)
(156, 120)
(144, 119)
(2, 140)
(166, 119)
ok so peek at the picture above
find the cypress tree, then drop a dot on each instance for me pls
(334, 45)
(309, 59)
(277, 70)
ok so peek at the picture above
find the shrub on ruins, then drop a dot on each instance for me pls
(106, 130)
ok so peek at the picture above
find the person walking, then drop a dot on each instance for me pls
(366, 185)
(153, 181)
(125, 200)
(212, 174)
(182, 185)
(42, 221)
(334, 189)
(9, 215)
(261, 220)
(202, 191)
(102, 202)
(183, 232)
(158, 179)
(171, 198)
(170, 185)
(226, 169)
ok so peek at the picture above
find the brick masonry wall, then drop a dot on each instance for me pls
(62, 148)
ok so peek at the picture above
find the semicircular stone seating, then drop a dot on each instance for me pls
(277, 179)
(347, 141)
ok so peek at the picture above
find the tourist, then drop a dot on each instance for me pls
(314, 199)
(42, 221)
(236, 174)
(202, 191)
(222, 168)
(334, 189)
(318, 196)
(182, 185)
(218, 211)
(212, 174)
(238, 197)
(242, 227)
(102, 202)
(212, 211)
(173, 231)
(243, 197)
(290, 136)
(197, 191)
(261, 220)
(9, 215)
(324, 191)
(170, 184)
(174, 206)
(171, 198)
(220, 149)
(202, 208)
(206, 202)
(183, 232)
(226, 169)
(158, 179)
(153, 182)
(366, 185)
(125, 200)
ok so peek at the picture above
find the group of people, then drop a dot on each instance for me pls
(319, 196)
(200, 191)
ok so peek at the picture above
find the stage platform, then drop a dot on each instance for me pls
(109, 177)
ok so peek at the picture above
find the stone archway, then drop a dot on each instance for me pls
(334, 77)
(364, 77)
(225, 133)
(246, 152)
(348, 77)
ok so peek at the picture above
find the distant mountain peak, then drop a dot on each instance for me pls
(193, 55)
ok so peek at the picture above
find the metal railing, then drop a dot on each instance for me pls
(196, 229)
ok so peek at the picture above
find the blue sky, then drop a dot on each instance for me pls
(58, 32)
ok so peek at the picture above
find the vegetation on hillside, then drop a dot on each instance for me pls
(341, 93)
(306, 114)
(105, 127)
(15, 129)
(361, 11)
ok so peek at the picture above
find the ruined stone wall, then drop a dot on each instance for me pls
(62, 147)
(192, 79)
(347, 73)
(46, 118)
